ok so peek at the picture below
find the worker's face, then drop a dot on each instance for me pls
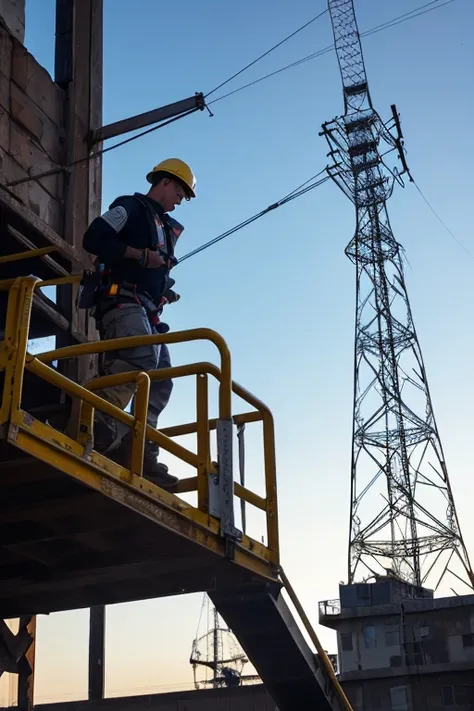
(171, 194)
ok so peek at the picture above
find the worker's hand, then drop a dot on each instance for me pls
(154, 260)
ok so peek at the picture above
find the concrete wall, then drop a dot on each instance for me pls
(13, 14)
(362, 657)
(458, 652)
(244, 698)
(32, 115)
(431, 637)
(423, 693)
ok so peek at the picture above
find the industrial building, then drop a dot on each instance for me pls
(400, 648)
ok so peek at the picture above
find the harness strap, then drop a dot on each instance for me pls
(152, 310)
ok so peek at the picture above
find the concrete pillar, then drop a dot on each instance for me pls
(12, 13)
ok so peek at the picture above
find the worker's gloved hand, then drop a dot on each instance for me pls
(171, 296)
(151, 259)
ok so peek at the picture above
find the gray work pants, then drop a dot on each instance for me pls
(132, 320)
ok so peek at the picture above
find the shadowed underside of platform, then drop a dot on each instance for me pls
(65, 546)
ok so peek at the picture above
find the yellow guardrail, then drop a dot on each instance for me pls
(27, 254)
(7, 284)
(202, 428)
(14, 360)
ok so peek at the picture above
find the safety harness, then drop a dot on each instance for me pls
(99, 292)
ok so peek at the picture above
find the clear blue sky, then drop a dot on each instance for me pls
(282, 291)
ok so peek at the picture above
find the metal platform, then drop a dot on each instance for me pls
(67, 545)
(78, 530)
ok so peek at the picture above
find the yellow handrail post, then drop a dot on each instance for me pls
(225, 388)
(7, 361)
(203, 445)
(139, 430)
(25, 304)
(86, 423)
(271, 484)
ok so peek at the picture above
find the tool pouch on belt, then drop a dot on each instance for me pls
(89, 288)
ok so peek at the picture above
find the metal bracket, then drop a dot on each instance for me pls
(241, 441)
(13, 431)
(214, 503)
(226, 486)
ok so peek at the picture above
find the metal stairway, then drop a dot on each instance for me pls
(78, 530)
(265, 627)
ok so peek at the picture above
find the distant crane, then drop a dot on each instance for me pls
(218, 651)
(402, 519)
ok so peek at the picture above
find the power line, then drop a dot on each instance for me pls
(296, 193)
(416, 12)
(313, 177)
(325, 50)
(407, 16)
(442, 222)
(412, 14)
(265, 54)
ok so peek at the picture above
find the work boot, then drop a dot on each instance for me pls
(105, 434)
(153, 470)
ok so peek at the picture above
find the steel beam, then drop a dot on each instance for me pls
(133, 123)
(96, 653)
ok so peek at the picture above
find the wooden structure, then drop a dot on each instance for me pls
(45, 124)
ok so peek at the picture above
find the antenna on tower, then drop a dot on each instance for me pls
(217, 658)
(403, 519)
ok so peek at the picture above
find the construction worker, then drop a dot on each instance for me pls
(134, 243)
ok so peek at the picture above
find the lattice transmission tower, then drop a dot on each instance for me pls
(402, 518)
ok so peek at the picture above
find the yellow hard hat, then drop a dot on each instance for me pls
(178, 169)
